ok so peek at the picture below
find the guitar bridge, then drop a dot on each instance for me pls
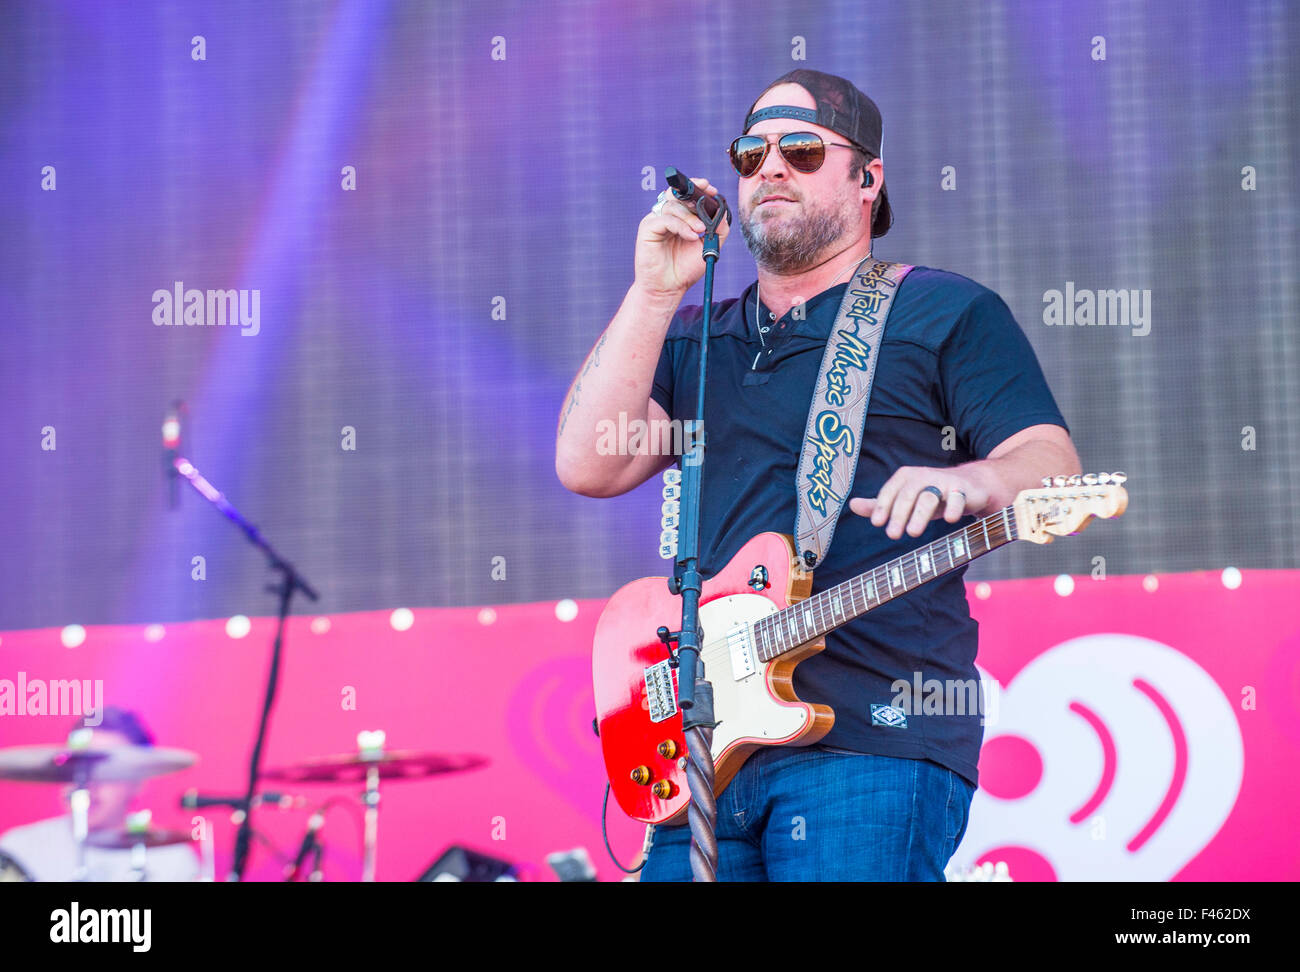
(661, 690)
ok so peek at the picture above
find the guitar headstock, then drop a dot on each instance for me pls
(1067, 504)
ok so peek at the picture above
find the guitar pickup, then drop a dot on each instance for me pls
(741, 648)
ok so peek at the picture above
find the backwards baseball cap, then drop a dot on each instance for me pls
(843, 109)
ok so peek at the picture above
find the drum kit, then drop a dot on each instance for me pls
(84, 767)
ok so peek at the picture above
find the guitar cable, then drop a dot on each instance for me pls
(604, 832)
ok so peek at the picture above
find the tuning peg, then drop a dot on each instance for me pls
(672, 477)
(672, 492)
(1074, 480)
(1103, 479)
(1119, 478)
(1047, 482)
(1058, 481)
(1090, 479)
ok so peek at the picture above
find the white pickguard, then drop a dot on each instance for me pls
(744, 708)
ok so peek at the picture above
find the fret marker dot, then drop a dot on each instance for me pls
(402, 619)
(1231, 578)
(567, 609)
(983, 591)
(1063, 585)
(1150, 584)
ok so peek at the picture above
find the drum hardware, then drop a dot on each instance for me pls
(82, 764)
(370, 764)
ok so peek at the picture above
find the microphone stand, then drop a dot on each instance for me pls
(694, 693)
(289, 581)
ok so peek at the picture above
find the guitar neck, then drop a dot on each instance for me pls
(835, 607)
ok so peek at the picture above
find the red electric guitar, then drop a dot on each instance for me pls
(759, 623)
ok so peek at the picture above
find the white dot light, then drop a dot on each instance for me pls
(1150, 584)
(402, 619)
(487, 616)
(983, 591)
(72, 636)
(1231, 578)
(320, 625)
(154, 632)
(1063, 585)
(567, 609)
(238, 626)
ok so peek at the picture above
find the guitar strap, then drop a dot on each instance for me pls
(832, 438)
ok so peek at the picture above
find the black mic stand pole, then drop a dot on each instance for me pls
(694, 693)
(289, 581)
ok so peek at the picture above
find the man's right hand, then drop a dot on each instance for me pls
(669, 254)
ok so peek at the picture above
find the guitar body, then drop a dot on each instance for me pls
(758, 709)
(753, 684)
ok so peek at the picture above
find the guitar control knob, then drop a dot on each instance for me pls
(667, 749)
(641, 775)
(662, 789)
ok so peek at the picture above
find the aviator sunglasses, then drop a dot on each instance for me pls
(804, 151)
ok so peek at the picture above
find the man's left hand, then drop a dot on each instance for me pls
(905, 502)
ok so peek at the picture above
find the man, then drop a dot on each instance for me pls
(47, 850)
(960, 420)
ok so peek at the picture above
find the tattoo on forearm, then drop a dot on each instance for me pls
(593, 361)
(569, 404)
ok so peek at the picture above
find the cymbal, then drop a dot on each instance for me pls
(395, 765)
(114, 764)
(125, 839)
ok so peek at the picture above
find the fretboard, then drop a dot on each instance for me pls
(834, 607)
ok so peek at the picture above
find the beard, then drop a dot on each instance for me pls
(791, 243)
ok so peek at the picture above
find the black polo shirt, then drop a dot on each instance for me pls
(953, 356)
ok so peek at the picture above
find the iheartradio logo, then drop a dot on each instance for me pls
(549, 725)
(1114, 758)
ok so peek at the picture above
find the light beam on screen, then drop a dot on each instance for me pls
(234, 401)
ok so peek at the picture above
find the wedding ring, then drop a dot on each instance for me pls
(936, 490)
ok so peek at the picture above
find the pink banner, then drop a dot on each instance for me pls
(1139, 731)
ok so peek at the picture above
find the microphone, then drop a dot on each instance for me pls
(309, 843)
(192, 800)
(171, 441)
(687, 191)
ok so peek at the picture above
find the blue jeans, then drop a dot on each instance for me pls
(816, 814)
